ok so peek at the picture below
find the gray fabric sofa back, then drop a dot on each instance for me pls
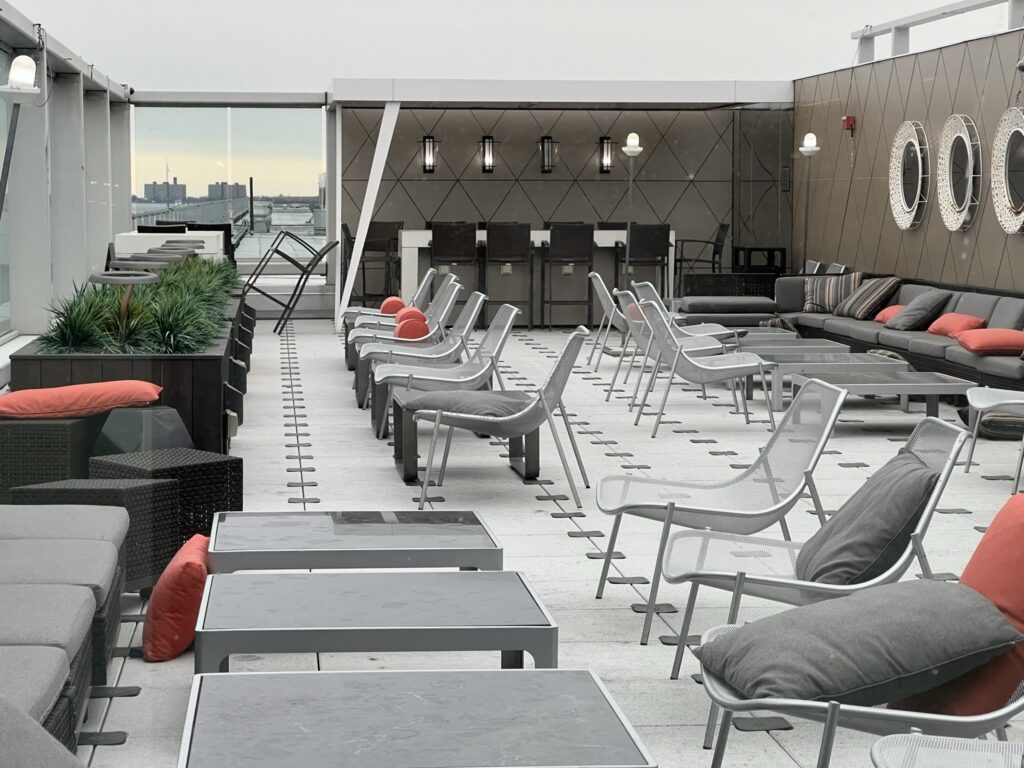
(1008, 313)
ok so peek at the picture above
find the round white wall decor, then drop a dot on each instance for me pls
(958, 171)
(1008, 171)
(908, 174)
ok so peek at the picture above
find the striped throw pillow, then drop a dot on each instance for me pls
(824, 294)
(865, 302)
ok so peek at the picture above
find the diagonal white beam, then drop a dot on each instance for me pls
(380, 155)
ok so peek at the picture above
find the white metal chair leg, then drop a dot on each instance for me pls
(640, 375)
(828, 736)
(734, 611)
(661, 409)
(1020, 460)
(652, 599)
(975, 428)
(561, 457)
(604, 342)
(767, 400)
(650, 385)
(608, 556)
(741, 386)
(572, 442)
(597, 338)
(684, 630)
(618, 367)
(723, 740)
(430, 459)
(632, 361)
(444, 456)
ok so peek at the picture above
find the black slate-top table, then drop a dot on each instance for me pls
(403, 719)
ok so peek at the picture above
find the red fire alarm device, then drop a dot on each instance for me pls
(849, 123)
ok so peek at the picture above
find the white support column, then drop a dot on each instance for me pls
(1015, 14)
(865, 50)
(98, 200)
(121, 166)
(67, 197)
(330, 193)
(339, 198)
(380, 156)
(29, 218)
(900, 41)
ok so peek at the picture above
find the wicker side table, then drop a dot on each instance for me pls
(153, 512)
(208, 482)
(41, 450)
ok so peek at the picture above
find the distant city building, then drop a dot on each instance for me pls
(221, 190)
(165, 192)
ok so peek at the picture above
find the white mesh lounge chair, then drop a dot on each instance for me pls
(528, 413)
(765, 568)
(475, 373)
(449, 350)
(390, 321)
(436, 318)
(637, 331)
(731, 368)
(646, 291)
(611, 318)
(981, 400)
(420, 300)
(917, 751)
(756, 498)
(876, 720)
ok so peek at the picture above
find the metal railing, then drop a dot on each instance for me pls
(207, 212)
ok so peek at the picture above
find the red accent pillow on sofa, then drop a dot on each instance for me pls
(995, 570)
(952, 323)
(992, 341)
(77, 399)
(411, 328)
(173, 609)
(889, 313)
(391, 305)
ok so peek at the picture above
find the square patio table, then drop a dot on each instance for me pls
(765, 345)
(265, 541)
(816, 363)
(407, 719)
(930, 384)
(384, 612)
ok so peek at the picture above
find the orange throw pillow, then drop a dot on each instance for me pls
(409, 313)
(391, 305)
(173, 609)
(889, 313)
(952, 323)
(992, 341)
(411, 328)
(77, 399)
(995, 570)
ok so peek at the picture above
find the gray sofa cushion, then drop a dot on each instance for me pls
(907, 292)
(24, 743)
(470, 402)
(79, 562)
(931, 344)
(812, 319)
(899, 339)
(1008, 367)
(32, 676)
(789, 294)
(870, 648)
(975, 304)
(1008, 313)
(919, 313)
(870, 532)
(68, 521)
(957, 354)
(862, 330)
(727, 304)
(743, 320)
(56, 615)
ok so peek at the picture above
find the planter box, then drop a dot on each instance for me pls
(194, 385)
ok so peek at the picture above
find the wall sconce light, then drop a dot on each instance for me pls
(428, 153)
(604, 154)
(548, 151)
(810, 146)
(21, 88)
(632, 148)
(487, 154)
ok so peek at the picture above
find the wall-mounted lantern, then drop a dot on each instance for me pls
(428, 153)
(487, 154)
(548, 152)
(605, 152)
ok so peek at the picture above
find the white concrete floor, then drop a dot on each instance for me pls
(353, 470)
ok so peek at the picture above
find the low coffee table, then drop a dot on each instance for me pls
(408, 719)
(766, 345)
(343, 612)
(817, 363)
(263, 541)
(902, 383)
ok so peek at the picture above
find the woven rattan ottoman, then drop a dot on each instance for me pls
(153, 530)
(207, 482)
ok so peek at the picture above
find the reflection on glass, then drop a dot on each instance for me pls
(1015, 170)
(960, 171)
(5, 221)
(910, 174)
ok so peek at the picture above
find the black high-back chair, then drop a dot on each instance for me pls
(606, 225)
(170, 228)
(570, 244)
(453, 247)
(509, 243)
(717, 244)
(648, 246)
(380, 254)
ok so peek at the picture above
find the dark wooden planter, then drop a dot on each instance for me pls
(195, 385)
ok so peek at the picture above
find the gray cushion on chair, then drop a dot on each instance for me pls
(24, 743)
(56, 615)
(32, 677)
(470, 402)
(872, 529)
(921, 310)
(79, 562)
(870, 648)
(64, 521)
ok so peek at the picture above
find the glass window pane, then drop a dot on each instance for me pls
(5, 219)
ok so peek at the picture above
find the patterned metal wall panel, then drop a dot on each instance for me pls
(697, 169)
(849, 216)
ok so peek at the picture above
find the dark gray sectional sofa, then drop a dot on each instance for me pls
(925, 351)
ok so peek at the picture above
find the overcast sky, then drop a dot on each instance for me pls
(303, 44)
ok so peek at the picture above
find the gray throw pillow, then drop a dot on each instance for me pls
(919, 311)
(872, 529)
(870, 648)
(470, 402)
